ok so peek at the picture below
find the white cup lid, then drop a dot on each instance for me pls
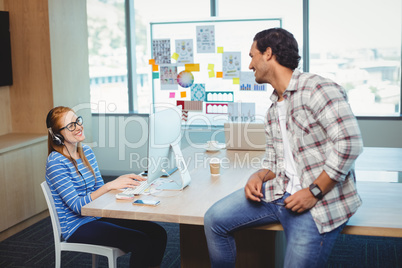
(214, 160)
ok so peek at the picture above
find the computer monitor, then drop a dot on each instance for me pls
(164, 153)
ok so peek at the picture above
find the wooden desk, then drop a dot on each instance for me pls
(187, 206)
(380, 214)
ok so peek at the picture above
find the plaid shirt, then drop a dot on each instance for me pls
(323, 135)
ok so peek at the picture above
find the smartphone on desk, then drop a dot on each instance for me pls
(146, 202)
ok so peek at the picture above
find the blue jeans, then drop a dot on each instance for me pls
(305, 247)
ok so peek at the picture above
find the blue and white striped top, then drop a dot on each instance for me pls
(69, 190)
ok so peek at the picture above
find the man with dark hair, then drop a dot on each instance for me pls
(307, 181)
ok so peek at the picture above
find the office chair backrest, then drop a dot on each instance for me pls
(53, 213)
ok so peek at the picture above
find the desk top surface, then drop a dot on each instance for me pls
(380, 214)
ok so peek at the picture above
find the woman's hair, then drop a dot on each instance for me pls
(283, 45)
(54, 121)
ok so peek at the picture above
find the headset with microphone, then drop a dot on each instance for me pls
(58, 139)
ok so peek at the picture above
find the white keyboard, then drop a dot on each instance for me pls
(137, 190)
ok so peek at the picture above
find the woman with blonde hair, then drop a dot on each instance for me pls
(73, 176)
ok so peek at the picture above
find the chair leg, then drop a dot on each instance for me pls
(95, 260)
(57, 258)
(112, 262)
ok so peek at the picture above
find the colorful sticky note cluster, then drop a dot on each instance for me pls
(155, 68)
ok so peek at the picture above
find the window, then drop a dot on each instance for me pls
(107, 56)
(358, 45)
(290, 11)
(154, 11)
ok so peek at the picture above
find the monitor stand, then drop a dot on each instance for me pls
(183, 170)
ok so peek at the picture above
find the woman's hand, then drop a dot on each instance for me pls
(125, 181)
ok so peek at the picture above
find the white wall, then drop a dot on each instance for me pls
(381, 132)
(69, 54)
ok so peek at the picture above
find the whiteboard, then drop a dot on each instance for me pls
(235, 38)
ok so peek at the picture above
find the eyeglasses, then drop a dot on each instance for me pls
(71, 126)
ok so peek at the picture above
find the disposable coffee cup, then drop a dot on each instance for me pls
(215, 166)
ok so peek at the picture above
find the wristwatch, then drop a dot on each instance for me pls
(315, 191)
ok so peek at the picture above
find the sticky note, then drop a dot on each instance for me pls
(220, 49)
(155, 75)
(192, 67)
(236, 81)
(219, 74)
(151, 61)
(172, 95)
(175, 56)
(183, 94)
(211, 73)
(155, 68)
(211, 67)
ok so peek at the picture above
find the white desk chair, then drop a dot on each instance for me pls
(111, 253)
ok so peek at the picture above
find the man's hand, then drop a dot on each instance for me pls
(253, 188)
(301, 201)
